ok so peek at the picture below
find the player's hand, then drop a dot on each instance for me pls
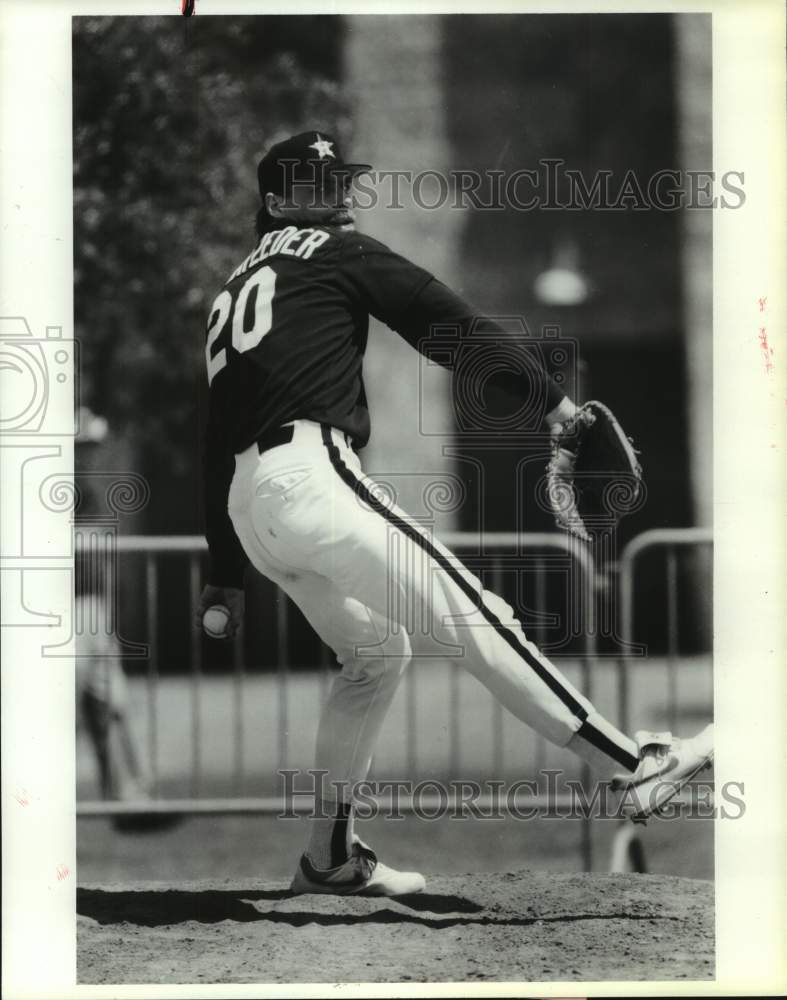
(234, 601)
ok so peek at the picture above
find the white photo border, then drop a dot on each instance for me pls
(36, 269)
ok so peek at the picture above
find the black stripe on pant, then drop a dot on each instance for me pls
(587, 731)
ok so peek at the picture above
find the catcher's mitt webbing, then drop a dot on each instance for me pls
(593, 463)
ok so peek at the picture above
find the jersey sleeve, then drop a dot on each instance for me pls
(414, 303)
(227, 559)
(383, 281)
(518, 371)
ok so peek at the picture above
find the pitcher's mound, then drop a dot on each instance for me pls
(515, 926)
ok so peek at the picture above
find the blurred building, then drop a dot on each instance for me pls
(480, 93)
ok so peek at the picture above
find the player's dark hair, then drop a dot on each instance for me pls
(265, 223)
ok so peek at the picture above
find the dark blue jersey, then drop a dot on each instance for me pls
(287, 333)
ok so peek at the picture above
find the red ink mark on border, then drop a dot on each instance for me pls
(62, 872)
(767, 350)
(22, 797)
(187, 7)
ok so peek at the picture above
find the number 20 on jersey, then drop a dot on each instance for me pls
(262, 284)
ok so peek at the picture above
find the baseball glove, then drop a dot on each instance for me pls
(593, 476)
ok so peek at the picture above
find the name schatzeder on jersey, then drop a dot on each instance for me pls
(289, 242)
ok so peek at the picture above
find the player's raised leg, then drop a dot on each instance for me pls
(378, 551)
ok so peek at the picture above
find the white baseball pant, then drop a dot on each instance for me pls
(379, 590)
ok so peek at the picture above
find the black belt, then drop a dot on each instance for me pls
(272, 439)
(283, 435)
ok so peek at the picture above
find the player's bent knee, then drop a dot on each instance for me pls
(379, 661)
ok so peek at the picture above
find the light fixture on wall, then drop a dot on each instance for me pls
(562, 283)
(92, 428)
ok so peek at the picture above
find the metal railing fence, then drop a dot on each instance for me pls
(628, 852)
(671, 540)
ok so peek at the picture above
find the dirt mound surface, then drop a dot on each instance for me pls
(516, 926)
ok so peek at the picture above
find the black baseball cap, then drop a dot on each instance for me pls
(303, 158)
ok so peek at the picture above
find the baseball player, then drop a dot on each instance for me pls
(101, 688)
(285, 490)
(104, 707)
(102, 700)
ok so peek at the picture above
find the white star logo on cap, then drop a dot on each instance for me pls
(323, 147)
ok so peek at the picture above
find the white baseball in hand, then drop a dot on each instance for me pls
(215, 621)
